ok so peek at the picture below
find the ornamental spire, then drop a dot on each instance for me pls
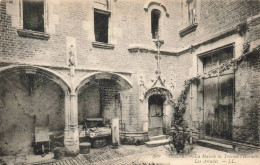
(158, 44)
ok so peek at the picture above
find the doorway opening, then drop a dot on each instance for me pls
(155, 115)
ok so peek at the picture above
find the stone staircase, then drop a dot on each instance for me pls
(227, 146)
(157, 141)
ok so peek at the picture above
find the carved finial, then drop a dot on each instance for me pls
(192, 49)
(242, 28)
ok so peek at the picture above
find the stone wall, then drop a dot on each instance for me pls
(20, 102)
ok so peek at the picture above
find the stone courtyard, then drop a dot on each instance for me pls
(129, 154)
(75, 73)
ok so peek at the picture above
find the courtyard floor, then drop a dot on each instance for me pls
(127, 154)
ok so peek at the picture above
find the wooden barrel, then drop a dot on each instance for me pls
(84, 147)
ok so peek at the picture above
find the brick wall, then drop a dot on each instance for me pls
(215, 17)
(247, 94)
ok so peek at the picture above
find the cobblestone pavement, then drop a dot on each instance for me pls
(107, 155)
(143, 155)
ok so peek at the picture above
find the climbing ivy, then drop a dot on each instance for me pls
(180, 105)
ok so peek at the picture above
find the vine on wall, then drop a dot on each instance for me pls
(180, 105)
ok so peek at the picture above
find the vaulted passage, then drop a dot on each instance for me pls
(28, 101)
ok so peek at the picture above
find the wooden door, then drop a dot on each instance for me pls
(218, 97)
(155, 115)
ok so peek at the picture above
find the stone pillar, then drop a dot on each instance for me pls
(67, 117)
(144, 115)
(115, 132)
(72, 139)
(168, 111)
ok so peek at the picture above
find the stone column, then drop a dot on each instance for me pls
(144, 115)
(72, 139)
(67, 117)
(168, 111)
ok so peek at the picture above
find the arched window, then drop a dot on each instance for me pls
(155, 23)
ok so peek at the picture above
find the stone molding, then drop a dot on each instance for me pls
(145, 49)
(103, 45)
(33, 34)
(155, 2)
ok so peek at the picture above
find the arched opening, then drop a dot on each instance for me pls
(30, 98)
(155, 115)
(155, 23)
(99, 101)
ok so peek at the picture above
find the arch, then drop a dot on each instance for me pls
(158, 91)
(52, 75)
(155, 2)
(121, 80)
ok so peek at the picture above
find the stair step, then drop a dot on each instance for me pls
(160, 137)
(215, 145)
(156, 143)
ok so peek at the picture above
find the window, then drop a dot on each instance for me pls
(189, 17)
(33, 15)
(101, 25)
(191, 11)
(155, 23)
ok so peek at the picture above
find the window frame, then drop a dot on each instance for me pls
(103, 45)
(108, 14)
(189, 24)
(45, 15)
(191, 6)
(30, 33)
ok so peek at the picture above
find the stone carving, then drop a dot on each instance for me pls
(158, 91)
(142, 89)
(71, 60)
(242, 28)
(192, 49)
(72, 63)
(246, 47)
(172, 84)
